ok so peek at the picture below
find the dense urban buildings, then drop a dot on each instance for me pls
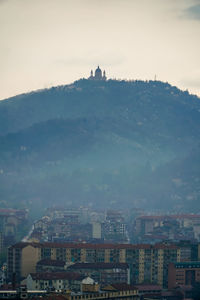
(81, 225)
(148, 263)
(68, 247)
(167, 227)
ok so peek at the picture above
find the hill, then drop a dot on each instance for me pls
(113, 143)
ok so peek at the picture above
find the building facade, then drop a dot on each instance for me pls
(183, 273)
(147, 263)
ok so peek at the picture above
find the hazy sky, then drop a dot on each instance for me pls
(53, 42)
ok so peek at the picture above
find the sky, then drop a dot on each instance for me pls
(46, 43)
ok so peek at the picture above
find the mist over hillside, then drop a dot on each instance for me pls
(101, 143)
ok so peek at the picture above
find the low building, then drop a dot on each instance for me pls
(148, 289)
(50, 265)
(89, 286)
(103, 273)
(55, 281)
(123, 289)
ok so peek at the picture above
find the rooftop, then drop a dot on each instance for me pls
(119, 287)
(183, 216)
(148, 287)
(100, 265)
(51, 262)
(187, 264)
(57, 275)
(94, 246)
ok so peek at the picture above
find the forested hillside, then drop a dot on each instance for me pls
(113, 143)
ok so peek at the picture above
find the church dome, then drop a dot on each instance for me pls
(98, 69)
(98, 73)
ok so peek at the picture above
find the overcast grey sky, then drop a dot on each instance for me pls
(53, 42)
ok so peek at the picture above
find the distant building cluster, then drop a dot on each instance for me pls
(83, 224)
(64, 225)
(86, 253)
(167, 227)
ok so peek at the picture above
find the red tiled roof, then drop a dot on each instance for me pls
(25, 244)
(20, 245)
(121, 287)
(165, 246)
(57, 275)
(186, 216)
(80, 245)
(154, 236)
(11, 211)
(148, 287)
(151, 217)
(94, 246)
(153, 295)
(51, 262)
(54, 297)
(99, 265)
(7, 210)
(183, 216)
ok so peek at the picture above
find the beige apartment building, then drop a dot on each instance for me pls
(148, 263)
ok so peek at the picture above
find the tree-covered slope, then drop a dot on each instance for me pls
(104, 143)
(145, 103)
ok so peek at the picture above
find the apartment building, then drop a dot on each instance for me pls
(22, 259)
(146, 262)
(183, 273)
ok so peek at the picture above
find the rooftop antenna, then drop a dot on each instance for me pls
(155, 78)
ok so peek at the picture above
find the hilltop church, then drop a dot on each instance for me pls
(97, 75)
